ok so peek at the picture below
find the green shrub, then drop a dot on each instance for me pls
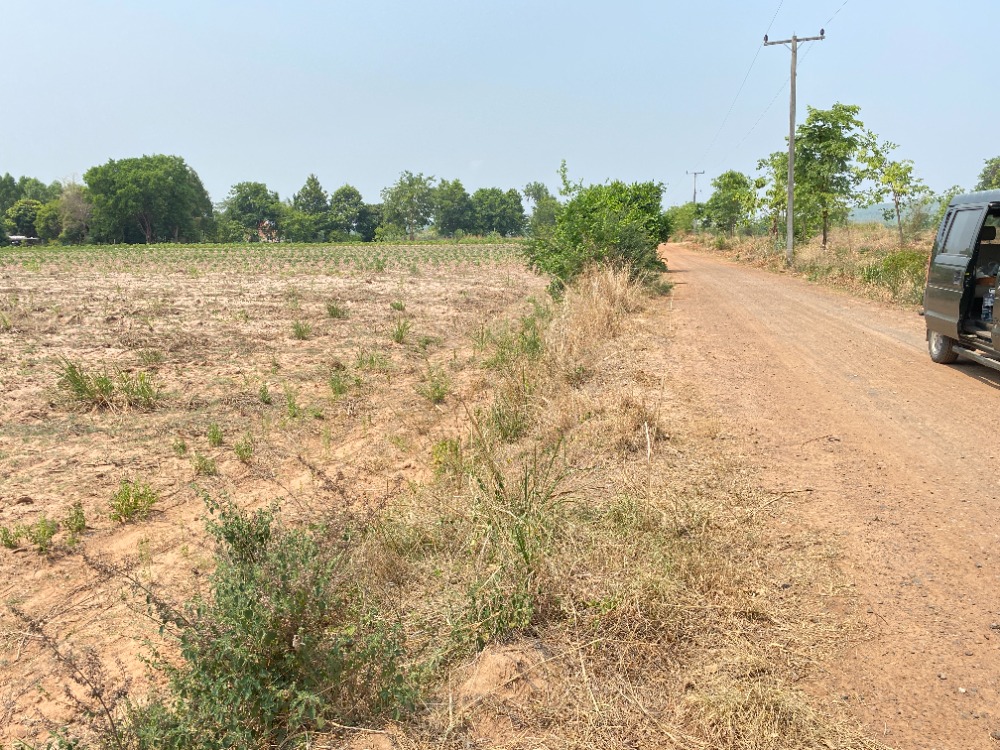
(400, 330)
(282, 644)
(397, 305)
(10, 537)
(214, 435)
(40, 534)
(617, 224)
(75, 523)
(132, 501)
(103, 390)
(180, 447)
(436, 385)
(301, 330)
(265, 394)
(204, 466)
(244, 448)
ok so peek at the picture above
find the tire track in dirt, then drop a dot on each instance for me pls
(835, 401)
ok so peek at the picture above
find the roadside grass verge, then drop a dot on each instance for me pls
(863, 258)
(603, 575)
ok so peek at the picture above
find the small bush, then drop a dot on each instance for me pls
(101, 390)
(372, 360)
(292, 407)
(340, 383)
(11, 537)
(40, 534)
(397, 305)
(132, 501)
(282, 645)
(244, 448)
(75, 523)
(301, 330)
(265, 395)
(180, 447)
(214, 435)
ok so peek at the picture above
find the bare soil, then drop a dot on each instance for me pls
(866, 441)
(210, 336)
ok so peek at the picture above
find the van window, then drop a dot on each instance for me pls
(963, 227)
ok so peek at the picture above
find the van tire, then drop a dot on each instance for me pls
(941, 348)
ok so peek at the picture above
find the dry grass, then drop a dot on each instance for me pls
(573, 553)
(863, 258)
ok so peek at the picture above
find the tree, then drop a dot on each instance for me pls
(254, 208)
(9, 192)
(48, 221)
(733, 202)
(312, 198)
(21, 217)
(775, 199)
(74, 213)
(498, 211)
(370, 218)
(346, 205)
(617, 224)
(148, 199)
(826, 146)
(409, 204)
(544, 210)
(686, 217)
(989, 178)
(892, 178)
(30, 187)
(453, 210)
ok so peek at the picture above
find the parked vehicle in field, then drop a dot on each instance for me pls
(959, 299)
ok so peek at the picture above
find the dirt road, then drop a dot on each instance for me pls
(836, 401)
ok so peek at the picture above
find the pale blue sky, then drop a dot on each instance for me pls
(493, 93)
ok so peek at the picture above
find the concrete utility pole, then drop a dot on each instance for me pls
(794, 41)
(694, 197)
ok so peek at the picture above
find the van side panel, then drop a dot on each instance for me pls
(948, 274)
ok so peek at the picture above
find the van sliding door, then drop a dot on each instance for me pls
(947, 276)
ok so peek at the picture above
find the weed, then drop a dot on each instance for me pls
(397, 305)
(425, 341)
(40, 534)
(282, 644)
(244, 448)
(400, 330)
(137, 390)
(10, 537)
(336, 311)
(180, 447)
(446, 456)
(379, 264)
(340, 383)
(265, 395)
(301, 330)
(508, 418)
(75, 523)
(5, 323)
(204, 466)
(132, 501)
(214, 435)
(151, 357)
(292, 407)
(372, 360)
(102, 390)
(436, 385)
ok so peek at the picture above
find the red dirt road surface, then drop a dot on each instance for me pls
(894, 458)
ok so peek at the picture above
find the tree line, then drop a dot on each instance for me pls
(840, 165)
(160, 198)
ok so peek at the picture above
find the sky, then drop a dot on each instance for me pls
(494, 93)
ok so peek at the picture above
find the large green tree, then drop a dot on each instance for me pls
(21, 217)
(346, 205)
(498, 211)
(75, 212)
(409, 203)
(148, 199)
(312, 198)
(254, 209)
(370, 217)
(453, 211)
(733, 202)
(827, 146)
(544, 208)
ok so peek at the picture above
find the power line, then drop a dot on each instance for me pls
(739, 91)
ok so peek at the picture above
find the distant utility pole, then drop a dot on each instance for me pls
(694, 198)
(794, 41)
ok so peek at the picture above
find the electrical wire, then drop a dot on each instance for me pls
(739, 91)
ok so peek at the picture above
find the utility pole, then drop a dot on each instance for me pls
(794, 41)
(694, 197)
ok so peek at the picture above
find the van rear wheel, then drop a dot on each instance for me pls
(941, 348)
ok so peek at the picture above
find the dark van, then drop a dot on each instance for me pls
(961, 293)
